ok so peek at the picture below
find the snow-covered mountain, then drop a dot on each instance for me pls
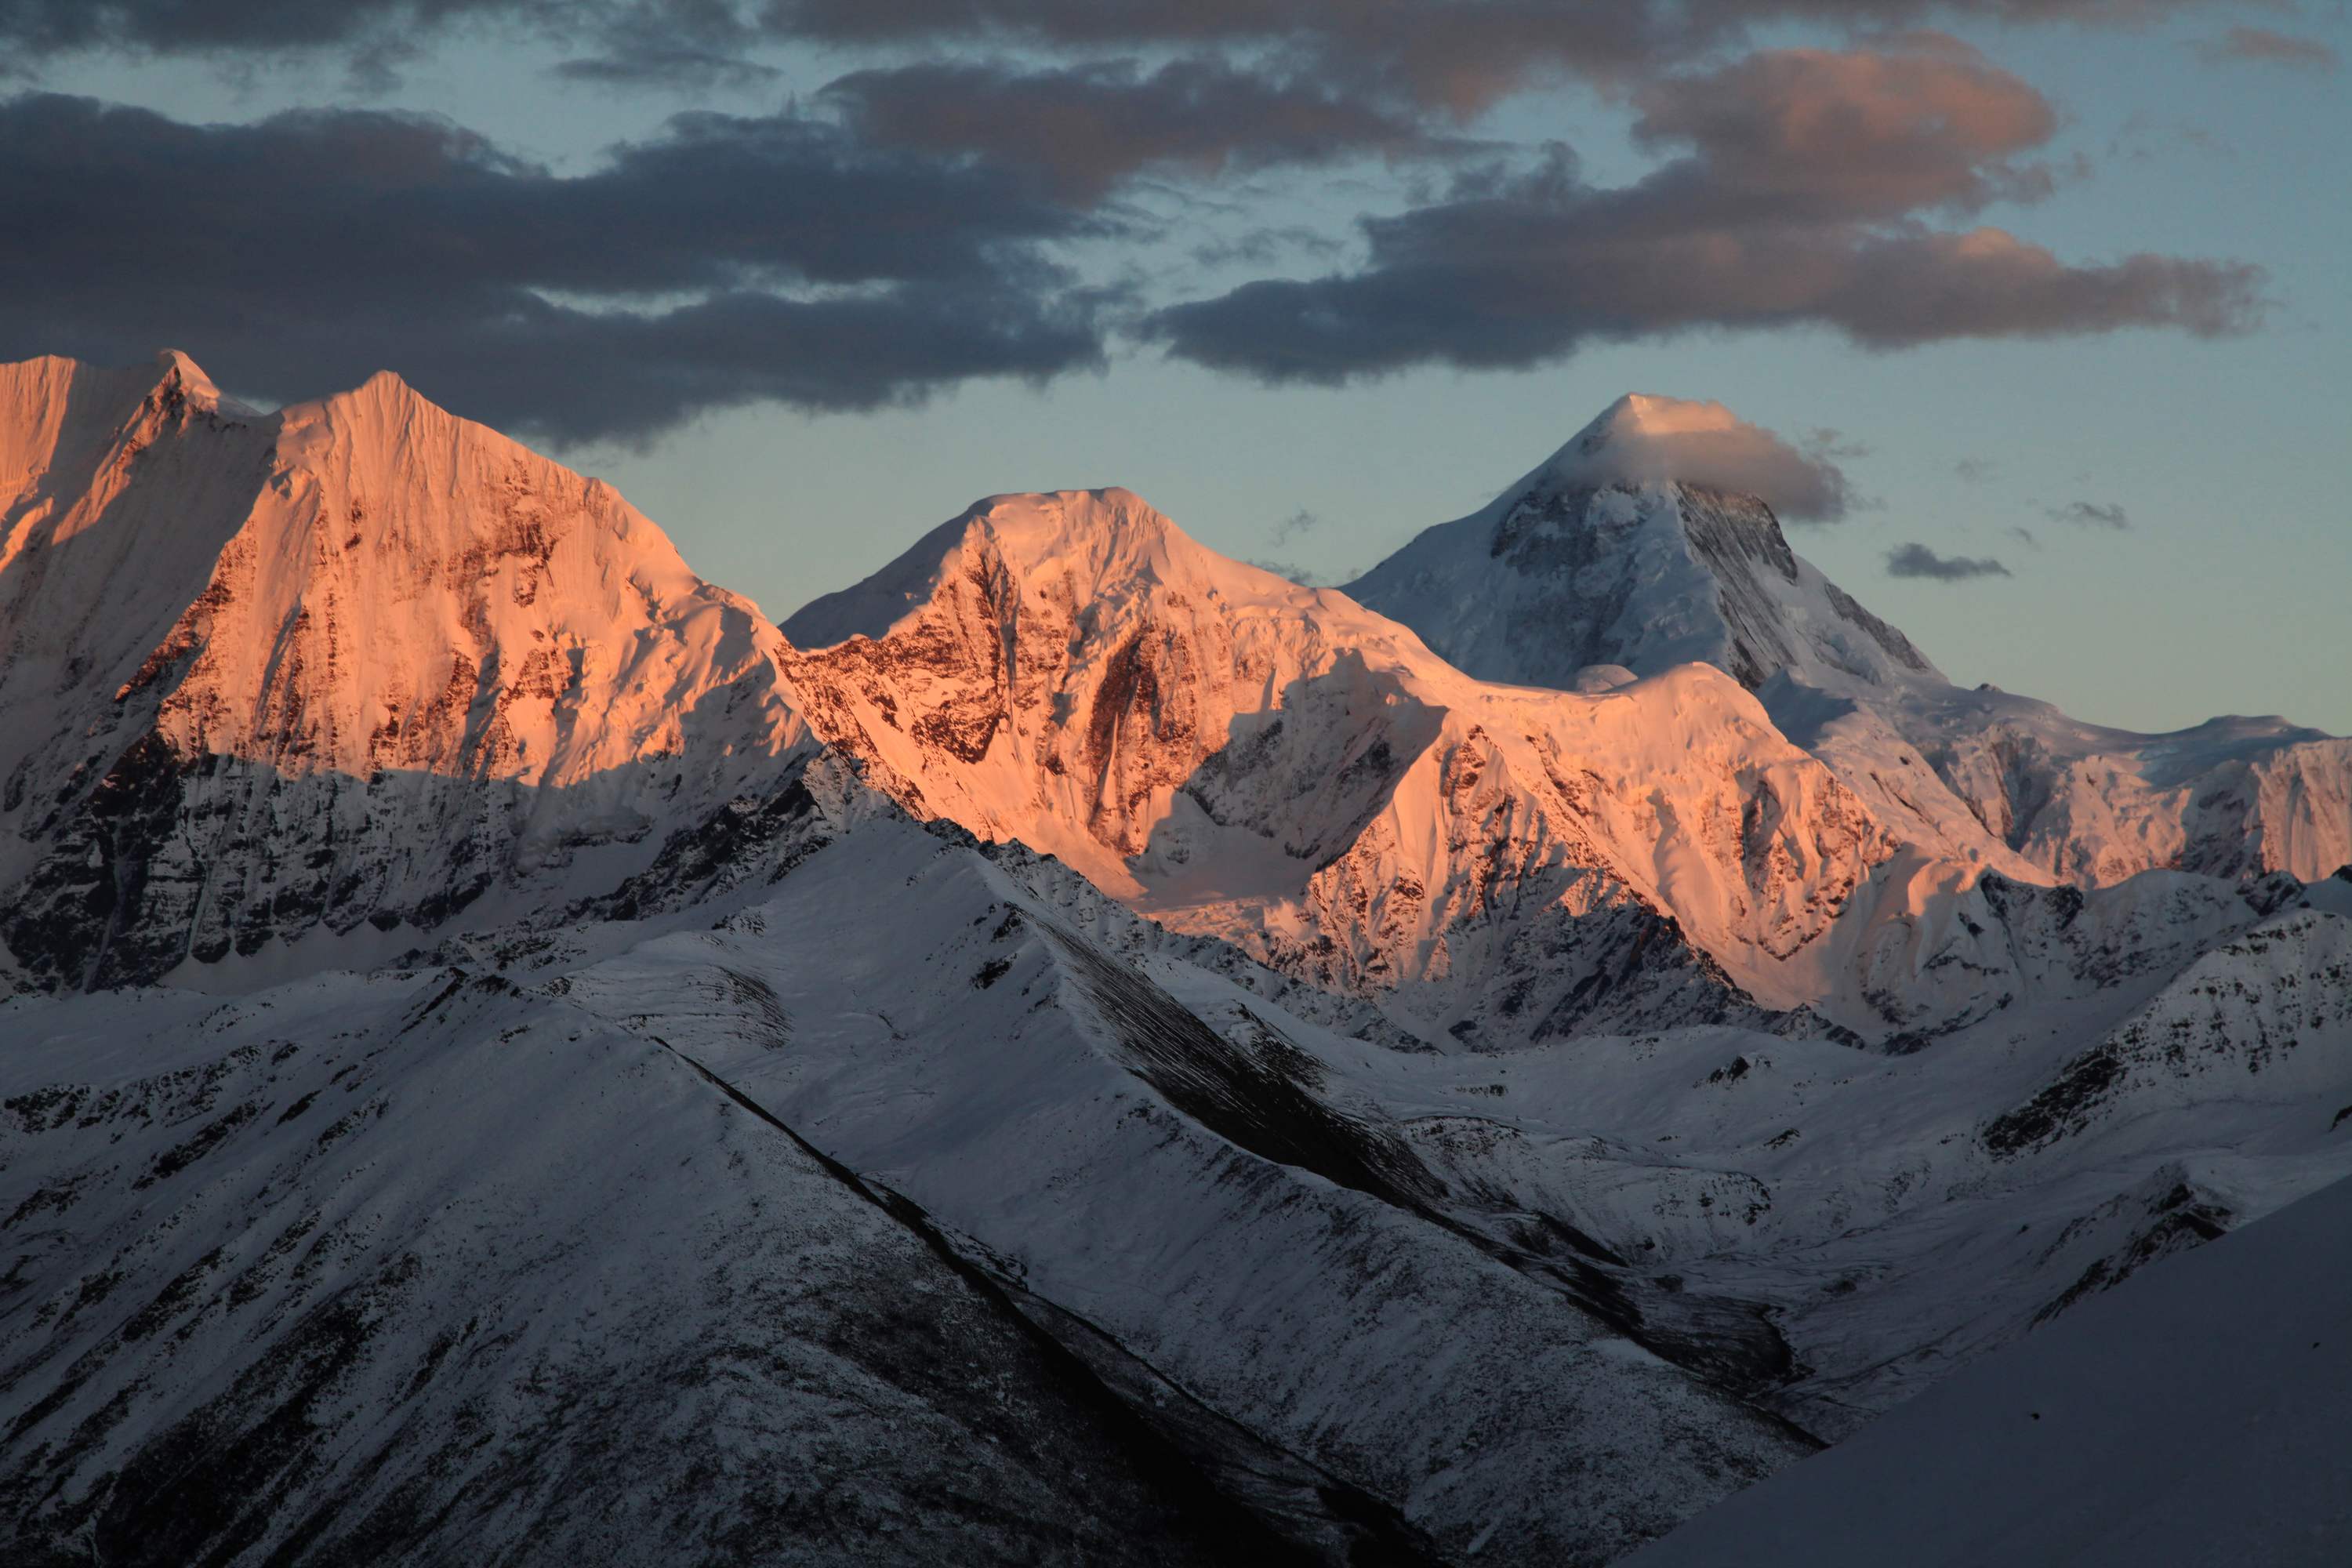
(356, 666)
(1237, 756)
(1605, 555)
(932, 1167)
(2194, 1418)
(894, 1203)
(1075, 1049)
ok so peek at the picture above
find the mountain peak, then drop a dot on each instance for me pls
(179, 368)
(1644, 415)
(1643, 439)
(1651, 539)
(1106, 540)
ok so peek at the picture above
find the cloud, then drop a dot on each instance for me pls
(1455, 56)
(263, 29)
(1086, 128)
(2024, 536)
(2091, 514)
(669, 69)
(1833, 446)
(724, 260)
(1306, 576)
(1918, 561)
(1525, 280)
(1459, 56)
(1798, 203)
(2260, 46)
(1645, 439)
(1298, 523)
(1912, 124)
(1976, 470)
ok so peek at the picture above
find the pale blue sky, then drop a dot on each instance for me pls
(2231, 591)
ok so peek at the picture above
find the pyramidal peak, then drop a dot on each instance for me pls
(1109, 542)
(180, 373)
(1643, 439)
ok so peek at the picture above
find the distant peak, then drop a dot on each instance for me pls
(1647, 416)
(1647, 439)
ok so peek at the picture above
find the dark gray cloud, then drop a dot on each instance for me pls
(669, 69)
(2260, 46)
(1766, 222)
(2091, 514)
(1458, 55)
(726, 260)
(1976, 470)
(263, 29)
(1089, 127)
(1298, 523)
(1918, 561)
(1526, 278)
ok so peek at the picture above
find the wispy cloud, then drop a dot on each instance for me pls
(1296, 524)
(1648, 439)
(2262, 46)
(2091, 514)
(1799, 200)
(669, 69)
(1918, 561)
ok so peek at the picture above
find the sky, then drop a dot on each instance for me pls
(2054, 288)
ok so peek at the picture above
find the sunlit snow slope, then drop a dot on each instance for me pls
(355, 664)
(1239, 756)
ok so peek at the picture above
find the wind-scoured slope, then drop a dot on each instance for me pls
(1608, 553)
(369, 664)
(2200, 1416)
(1238, 756)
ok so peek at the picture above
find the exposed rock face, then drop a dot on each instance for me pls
(1244, 758)
(375, 663)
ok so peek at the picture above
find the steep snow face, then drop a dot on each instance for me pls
(1624, 550)
(377, 662)
(1239, 756)
(118, 489)
(1635, 545)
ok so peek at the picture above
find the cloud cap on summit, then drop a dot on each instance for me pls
(1643, 438)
